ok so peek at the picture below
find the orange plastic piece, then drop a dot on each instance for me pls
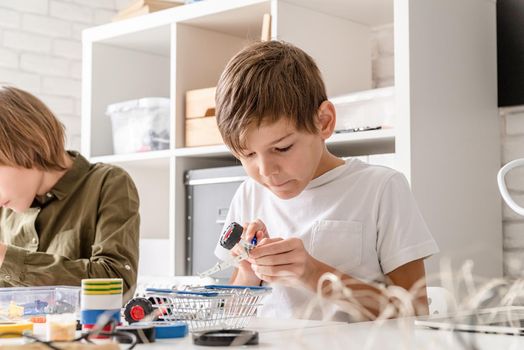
(38, 319)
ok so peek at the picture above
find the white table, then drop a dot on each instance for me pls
(317, 335)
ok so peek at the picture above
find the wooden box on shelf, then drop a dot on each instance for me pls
(202, 132)
(201, 126)
(200, 103)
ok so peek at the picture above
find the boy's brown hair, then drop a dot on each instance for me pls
(30, 134)
(264, 82)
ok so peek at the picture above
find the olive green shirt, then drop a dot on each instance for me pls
(86, 226)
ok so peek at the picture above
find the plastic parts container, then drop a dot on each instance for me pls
(27, 302)
(140, 125)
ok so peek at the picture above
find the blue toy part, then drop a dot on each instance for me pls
(202, 294)
(167, 330)
(228, 286)
(38, 307)
(159, 290)
(181, 292)
(91, 316)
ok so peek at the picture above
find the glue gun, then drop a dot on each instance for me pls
(232, 236)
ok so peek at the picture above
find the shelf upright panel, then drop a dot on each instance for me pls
(172, 162)
(449, 140)
(204, 42)
(123, 68)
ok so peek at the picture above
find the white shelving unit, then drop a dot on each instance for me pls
(446, 132)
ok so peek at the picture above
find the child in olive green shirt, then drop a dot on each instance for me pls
(62, 219)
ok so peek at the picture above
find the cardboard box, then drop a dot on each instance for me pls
(202, 132)
(200, 103)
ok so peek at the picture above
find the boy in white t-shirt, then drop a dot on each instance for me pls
(311, 211)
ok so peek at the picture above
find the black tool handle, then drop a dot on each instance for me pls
(231, 235)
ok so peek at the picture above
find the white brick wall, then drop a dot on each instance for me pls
(41, 51)
(512, 138)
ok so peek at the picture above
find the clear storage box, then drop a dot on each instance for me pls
(140, 125)
(25, 302)
(365, 109)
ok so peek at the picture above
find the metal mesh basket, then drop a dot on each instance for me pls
(209, 307)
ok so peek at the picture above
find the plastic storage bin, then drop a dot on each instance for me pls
(25, 302)
(365, 109)
(140, 125)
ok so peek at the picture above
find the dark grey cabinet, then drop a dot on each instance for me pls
(209, 193)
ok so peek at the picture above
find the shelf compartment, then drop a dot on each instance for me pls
(205, 45)
(370, 108)
(130, 67)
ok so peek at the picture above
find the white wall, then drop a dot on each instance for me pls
(40, 51)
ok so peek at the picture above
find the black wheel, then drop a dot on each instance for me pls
(137, 309)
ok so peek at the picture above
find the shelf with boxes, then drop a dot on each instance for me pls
(172, 52)
(200, 124)
(371, 109)
(346, 144)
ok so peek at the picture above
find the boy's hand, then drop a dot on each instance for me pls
(255, 228)
(282, 259)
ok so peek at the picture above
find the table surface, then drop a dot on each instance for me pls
(400, 334)
(392, 334)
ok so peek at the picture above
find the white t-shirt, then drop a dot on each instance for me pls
(359, 218)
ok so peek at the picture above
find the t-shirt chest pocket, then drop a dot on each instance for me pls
(338, 243)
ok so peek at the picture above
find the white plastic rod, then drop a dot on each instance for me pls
(502, 185)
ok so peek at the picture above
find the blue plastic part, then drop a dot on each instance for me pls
(159, 290)
(184, 292)
(227, 286)
(35, 308)
(91, 316)
(204, 294)
(167, 330)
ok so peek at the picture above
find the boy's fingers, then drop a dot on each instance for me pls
(252, 229)
(261, 235)
(286, 270)
(248, 229)
(235, 250)
(278, 259)
(271, 246)
(269, 240)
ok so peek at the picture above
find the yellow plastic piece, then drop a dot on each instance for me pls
(14, 311)
(15, 327)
